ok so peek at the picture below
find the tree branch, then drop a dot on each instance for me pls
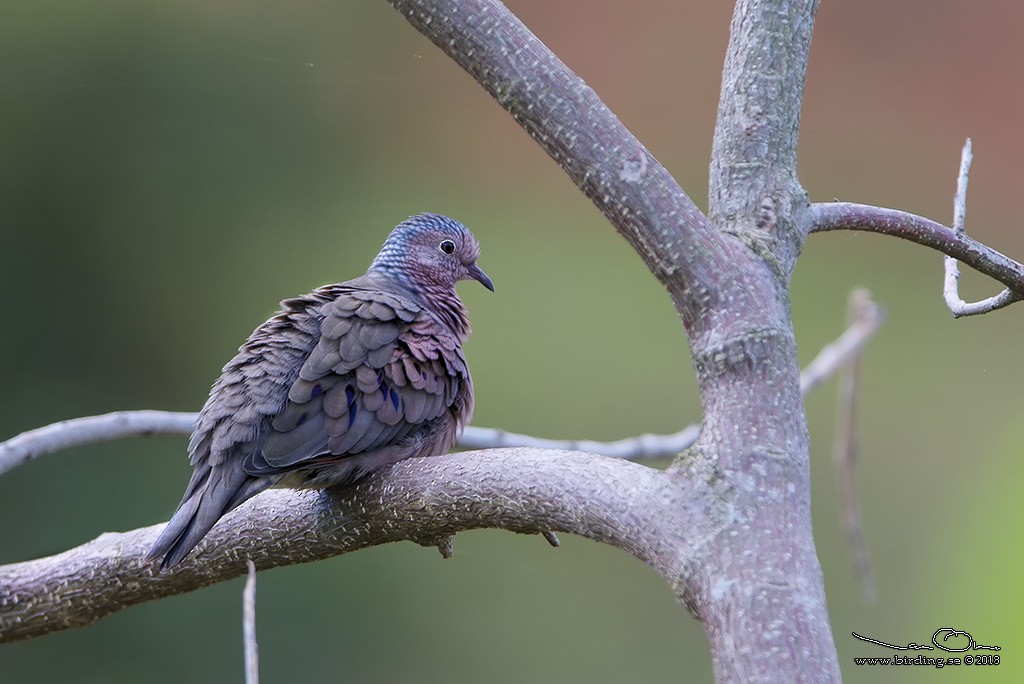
(753, 189)
(953, 242)
(571, 123)
(893, 222)
(80, 431)
(746, 362)
(250, 647)
(845, 349)
(951, 282)
(845, 449)
(631, 448)
(422, 499)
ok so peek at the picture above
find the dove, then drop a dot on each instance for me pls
(341, 382)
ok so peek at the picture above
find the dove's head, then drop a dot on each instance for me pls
(431, 251)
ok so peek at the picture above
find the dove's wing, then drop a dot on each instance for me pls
(383, 370)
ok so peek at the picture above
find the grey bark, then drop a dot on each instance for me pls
(425, 500)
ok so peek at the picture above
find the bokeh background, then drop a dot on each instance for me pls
(170, 170)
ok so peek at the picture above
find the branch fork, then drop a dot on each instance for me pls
(951, 282)
(954, 242)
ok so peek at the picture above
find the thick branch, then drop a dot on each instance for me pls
(571, 123)
(765, 572)
(847, 216)
(753, 186)
(423, 500)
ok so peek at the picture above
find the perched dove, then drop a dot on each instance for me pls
(343, 381)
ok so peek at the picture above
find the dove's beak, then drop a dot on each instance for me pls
(477, 274)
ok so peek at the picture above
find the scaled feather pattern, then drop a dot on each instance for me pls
(342, 381)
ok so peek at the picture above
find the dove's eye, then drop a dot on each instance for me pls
(446, 246)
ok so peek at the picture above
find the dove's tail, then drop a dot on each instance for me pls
(210, 494)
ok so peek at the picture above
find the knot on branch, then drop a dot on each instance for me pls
(738, 354)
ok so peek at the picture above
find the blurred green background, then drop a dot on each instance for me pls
(170, 170)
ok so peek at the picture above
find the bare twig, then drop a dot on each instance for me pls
(953, 242)
(110, 426)
(643, 446)
(845, 447)
(960, 308)
(830, 359)
(252, 652)
(845, 348)
(79, 431)
(963, 178)
(982, 258)
(951, 283)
